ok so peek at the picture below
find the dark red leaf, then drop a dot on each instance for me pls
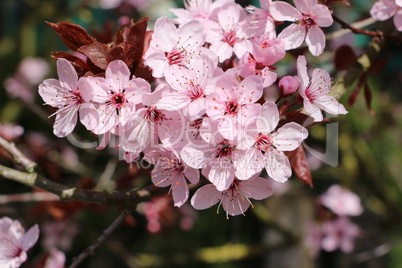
(298, 161)
(97, 53)
(42, 261)
(79, 64)
(355, 92)
(367, 97)
(344, 57)
(72, 35)
(378, 65)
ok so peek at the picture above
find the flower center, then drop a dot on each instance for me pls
(307, 21)
(118, 99)
(224, 149)
(230, 38)
(195, 92)
(154, 115)
(264, 143)
(175, 57)
(232, 107)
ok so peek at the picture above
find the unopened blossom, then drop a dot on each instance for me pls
(339, 234)
(174, 46)
(171, 171)
(228, 35)
(264, 147)
(385, 9)
(15, 242)
(68, 95)
(316, 92)
(288, 85)
(341, 201)
(308, 16)
(236, 199)
(116, 96)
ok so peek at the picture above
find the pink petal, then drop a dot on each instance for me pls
(330, 105)
(67, 75)
(222, 49)
(382, 11)
(193, 157)
(135, 89)
(289, 136)
(249, 164)
(192, 35)
(234, 203)
(85, 89)
(157, 61)
(305, 6)
(65, 122)
(302, 73)
(320, 83)
(315, 40)
(89, 116)
(165, 42)
(30, 237)
(277, 165)
(292, 36)
(269, 117)
(117, 75)
(321, 15)
(268, 77)
(180, 192)
(313, 110)
(398, 20)
(221, 174)
(100, 89)
(193, 175)
(205, 197)
(251, 89)
(256, 188)
(283, 11)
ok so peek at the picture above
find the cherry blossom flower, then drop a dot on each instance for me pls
(178, 47)
(68, 94)
(236, 199)
(171, 171)
(385, 9)
(14, 242)
(315, 92)
(190, 86)
(56, 259)
(117, 96)
(339, 233)
(228, 36)
(308, 17)
(264, 146)
(341, 201)
(11, 131)
(260, 20)
(313, 239)
(233, 103)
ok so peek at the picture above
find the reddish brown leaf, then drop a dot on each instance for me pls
(79, 64)
(299, 165)
(378, 65)
(352, 98)
(344, 57)
(42, 261)
(72, 35)
(367, 97)
(97, 53)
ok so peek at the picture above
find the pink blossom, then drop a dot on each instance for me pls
(68, 94)
(341, 201)
(264, 146)
(260, 21)
(176, 48)
(117, 96)
(309, 17)
(14, 242)
(228, 36)
(313, 239)
(236, 199)
(190, 86)
(385, 9)
(171, 171)
(11, 131)
(56, 259)
(339, 233)
(233, 104)
(316, 92)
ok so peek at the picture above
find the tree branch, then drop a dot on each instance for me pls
(90, 250)
(354, 30)
(19, 158)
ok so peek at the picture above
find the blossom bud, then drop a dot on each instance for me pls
(288, 85)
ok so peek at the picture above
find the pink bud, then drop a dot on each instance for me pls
(288, 85)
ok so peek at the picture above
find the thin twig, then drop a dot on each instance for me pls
(91, 249)
(19, 158)
(357, 25)
(28, 197)
(378, 34)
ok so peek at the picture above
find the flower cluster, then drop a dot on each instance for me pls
(203, 106)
